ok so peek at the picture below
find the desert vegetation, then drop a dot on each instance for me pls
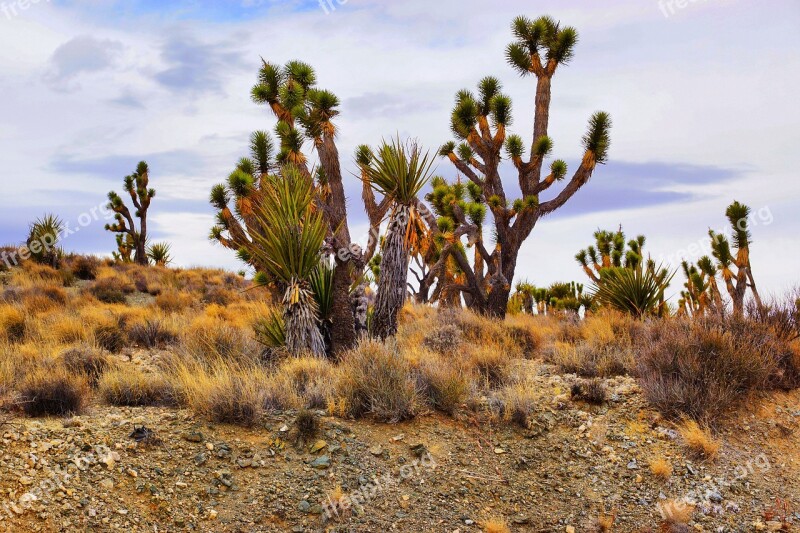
(429, 321)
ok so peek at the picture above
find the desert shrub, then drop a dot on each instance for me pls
(490, 362)
(516, 403)
(108, 290)
(661, 468)
(151, 334)
(173, 301)
(219, 296)
(85, 267)
(235, 399)
(523, 335)
(591, 391)
(211, 338)
(12, 323)
(443, 339)
(110, 334)
(53, 392)
(443, 384)
(590, 361)
(67, 277)
(703, 368)
(279, 394)
(134, 388)
(86, 361)
(311, 378)
(375, 379)
(65, 329)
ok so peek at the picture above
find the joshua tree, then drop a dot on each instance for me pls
(289, 248)
(480, 120)
(736, 282)
(609, 251)
(136, 185)
(42, 242)
(398, 171)
(304, 113)
(159, 253)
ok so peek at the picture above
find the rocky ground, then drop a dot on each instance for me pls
(577, 463)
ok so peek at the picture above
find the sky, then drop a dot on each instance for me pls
(702, 94)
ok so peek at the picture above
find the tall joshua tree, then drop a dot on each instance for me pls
(305, 114)
(736, 282)
(289, 248)
(137, 186)
(398, 171)
(480, 122)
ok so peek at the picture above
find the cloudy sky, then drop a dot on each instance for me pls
(703, 95)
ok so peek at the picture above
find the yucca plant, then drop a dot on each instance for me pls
(289, 248)
(271, 330)
(43, 238)
(637, 291)
(399, 171)
(321, 283)
(159, 253)
(137, 187)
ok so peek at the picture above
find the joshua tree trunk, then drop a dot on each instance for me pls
(141, 242)
(394, 276)
(302, 326)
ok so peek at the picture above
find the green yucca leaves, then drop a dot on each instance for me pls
(559, 169)
(321, 282)
(597, 138)
(262, 151)
(447, 149)
(543, 146)
(637, 291)
(500, 110)
(160, 253)
(400, 171)
(293, 231)
(271, 329)
(514, 146)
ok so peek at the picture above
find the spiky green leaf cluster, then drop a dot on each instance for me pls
(400, 170)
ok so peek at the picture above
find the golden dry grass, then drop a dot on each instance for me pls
(676, 512)
(661, 468)
(698, 440)
(495, 525)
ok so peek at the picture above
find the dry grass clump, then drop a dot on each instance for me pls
(661, 468)
(110, 290)
(211, 338)
(591, 391)
(134, 388)
(64, 329)
(495, 525)
(86, 361)
(676, 512)
(173, 301)
(698, 439)
(703, 368)
(490, 362)
(517, 404)
(526, 332)
(228, 391)
(311, 378)
(445, 385)
(85, 267)
(374, 378)
(155, 333)
(12, 323)
(219, 296)
(110, 333)
(53, 392)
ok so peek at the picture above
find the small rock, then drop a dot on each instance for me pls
(317, 446)
(376, 450)
(322, 462)
(193, 436)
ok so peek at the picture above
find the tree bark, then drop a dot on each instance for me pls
(393, 278)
